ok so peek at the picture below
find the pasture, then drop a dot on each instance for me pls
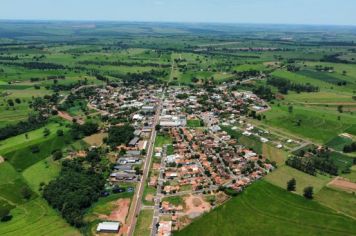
(315, 124)
(30, 217)
(338, 200)
(281, 175)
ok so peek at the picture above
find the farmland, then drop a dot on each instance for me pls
(248, 214)
(274, 90)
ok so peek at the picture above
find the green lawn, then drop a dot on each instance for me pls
(144, 222)
(176, 200)
(162, 139)
(264, 209)
(194, 123)
(281, 175)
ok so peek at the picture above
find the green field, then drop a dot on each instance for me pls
(338, 200)
(194, 123)
(281, 175)
(162, 140)
(263, 209)
(41, 172)
(144, 222)
(316, 124)
(30, 217)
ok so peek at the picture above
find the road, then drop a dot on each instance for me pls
(137, 200)
(158, 197)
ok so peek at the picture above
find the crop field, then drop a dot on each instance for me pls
(248, 214)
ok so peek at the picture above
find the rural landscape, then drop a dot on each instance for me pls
(145, 129)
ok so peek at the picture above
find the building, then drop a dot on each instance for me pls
(173, 121)
(108, 227)
(134, 141)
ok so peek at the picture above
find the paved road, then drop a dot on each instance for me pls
(158, 197)
(137, 200)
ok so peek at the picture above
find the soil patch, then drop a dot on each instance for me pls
(343, 184)
(195, 206)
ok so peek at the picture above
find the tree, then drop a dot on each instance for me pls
(290, 109)
(46, 132)
(10, 102)
(340, 109)
(26, 193)
(57, 155)
(5, 215)
(120, 135)
(291, 185)
(60, 133)
(158, 127)
(308, 192)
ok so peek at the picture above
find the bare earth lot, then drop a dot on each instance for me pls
(342, 184)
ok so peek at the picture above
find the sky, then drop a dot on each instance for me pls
(315, 12)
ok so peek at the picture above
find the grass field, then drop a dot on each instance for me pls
(264, 209)
(338, 200)
(316, 125)
(274, 154)
(339, 142)
(162, 140)
(30, 217)
(41, 172)
(281, 175)
(34, 137)
(194, 123)
(144, 222)
(175, 200)
(18, 149)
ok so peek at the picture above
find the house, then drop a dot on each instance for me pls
(137, 117)
(108, 227)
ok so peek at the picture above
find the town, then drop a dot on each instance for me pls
(199, 162)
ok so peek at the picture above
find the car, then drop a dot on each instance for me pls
(130, 189)
(118, 190)
(105, 193)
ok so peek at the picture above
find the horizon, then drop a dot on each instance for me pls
(172, 22)
(270, 12)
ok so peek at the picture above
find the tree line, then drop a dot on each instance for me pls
(311, 165)
(285, 85)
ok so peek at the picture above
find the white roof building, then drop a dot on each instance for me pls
(108, 227)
